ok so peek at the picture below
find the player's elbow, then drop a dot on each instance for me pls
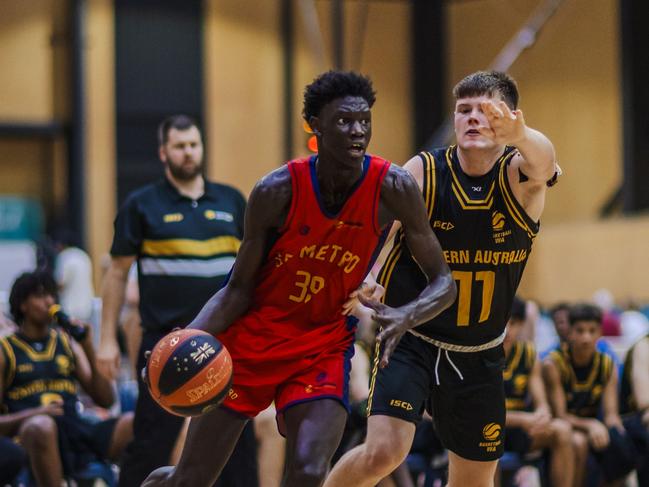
(450, 289)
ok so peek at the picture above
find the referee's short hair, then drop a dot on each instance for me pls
(178, 122)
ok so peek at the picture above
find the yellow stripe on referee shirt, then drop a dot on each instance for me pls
(197, 248)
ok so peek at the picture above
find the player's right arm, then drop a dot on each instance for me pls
(266, 213)
(112, 295)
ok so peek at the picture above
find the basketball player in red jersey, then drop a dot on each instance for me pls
(312, 230)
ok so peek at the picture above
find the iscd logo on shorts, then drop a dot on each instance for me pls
(397, 403)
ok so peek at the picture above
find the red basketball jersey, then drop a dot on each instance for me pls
(315, 263)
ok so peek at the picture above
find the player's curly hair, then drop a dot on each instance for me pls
(332, 85)
(585, 312)
(26, 285)
(488, 83)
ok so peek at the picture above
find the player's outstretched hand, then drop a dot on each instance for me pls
(505, 126)
(393, 322)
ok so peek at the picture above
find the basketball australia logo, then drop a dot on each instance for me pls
(498, 221)
(491, 431)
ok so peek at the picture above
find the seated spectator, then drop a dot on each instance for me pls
(582, 387)
(634, 403)
(40, 368)
(560, 315)
(529, 425)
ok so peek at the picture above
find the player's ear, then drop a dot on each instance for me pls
(314, 123)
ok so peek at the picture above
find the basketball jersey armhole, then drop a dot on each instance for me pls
(514, 208)
(429, 181)
(377, 197)
(294, 196)
(10, 365)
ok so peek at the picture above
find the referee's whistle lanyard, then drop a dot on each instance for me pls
(448, 358)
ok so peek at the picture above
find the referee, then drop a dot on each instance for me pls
(184, 233)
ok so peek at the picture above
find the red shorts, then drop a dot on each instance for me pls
(270, 367)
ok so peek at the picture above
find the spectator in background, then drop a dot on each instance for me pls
(529, 425)
(634, 403)
(582, 387)
(73, 274)
(40, 367)
(560, 314)
(603, 299)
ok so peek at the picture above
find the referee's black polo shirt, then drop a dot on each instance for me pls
(185, 248)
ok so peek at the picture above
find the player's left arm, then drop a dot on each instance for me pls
(401, 198)
(610, 403)
(91, 380)
(542, 410)
(534, 164)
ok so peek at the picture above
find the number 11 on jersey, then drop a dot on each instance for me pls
(465, 281)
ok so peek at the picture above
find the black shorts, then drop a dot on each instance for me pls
(82, 441)
(619, 458)
(464, 393)
(517, 440)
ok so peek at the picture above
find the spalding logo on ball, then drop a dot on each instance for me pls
(188, 372)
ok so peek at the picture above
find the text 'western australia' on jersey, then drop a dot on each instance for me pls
(319, 258)
(486, 237)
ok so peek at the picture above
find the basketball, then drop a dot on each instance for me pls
(188, 372)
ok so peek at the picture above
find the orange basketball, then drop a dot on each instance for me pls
(188, 372)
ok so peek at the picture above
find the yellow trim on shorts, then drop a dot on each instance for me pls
(375, 370)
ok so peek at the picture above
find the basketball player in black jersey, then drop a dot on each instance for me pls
(530, 426)
(582, 389)
(484, 198)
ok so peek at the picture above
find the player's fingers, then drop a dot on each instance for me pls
(487, 132)
(390, 345)
(370, 303)
(378, 293)
(491, 110)
(507, 113)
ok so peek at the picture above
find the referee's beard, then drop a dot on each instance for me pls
(186, 171)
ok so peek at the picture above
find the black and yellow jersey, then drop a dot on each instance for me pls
(486, 237)
(38, 372)
(520, 361)
(627, 399)
(185, 248)
(583, 386)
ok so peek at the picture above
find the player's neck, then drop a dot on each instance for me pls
(33, 331)
(581, 358)
(191, 188)
(336, 178)
(477, 162)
